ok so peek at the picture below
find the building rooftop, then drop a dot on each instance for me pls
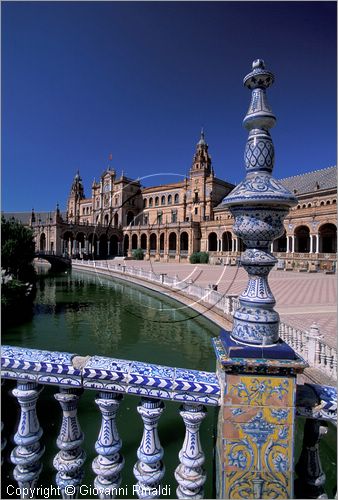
(25, 217)
(325, 178)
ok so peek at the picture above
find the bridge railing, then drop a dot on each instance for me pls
(154, 384)
(308, 344)
(112, 378)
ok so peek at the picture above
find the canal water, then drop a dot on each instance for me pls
(85, 313)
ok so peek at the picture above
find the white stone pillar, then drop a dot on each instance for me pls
(287, 244)
(292, 244)
(108, 247)
(317, 243)
(311, 243)
(98, 247)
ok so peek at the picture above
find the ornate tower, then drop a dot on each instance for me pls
(201, 160)
(200, 172)
(76, 194)
(259, 205)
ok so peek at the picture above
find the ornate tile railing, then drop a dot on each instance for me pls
(112, 378)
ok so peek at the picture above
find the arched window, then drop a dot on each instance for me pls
(212, 242)
(226, 242)
(328, 238)
(130, 218)
(134, 241)
(145, 203)
(302, 242)
(162, 243)
(170, 198)
(176, 198)
(184, 243)
(150, 202)
(172, 243)
(163, 200)
(156, 201)
(144, 241)
(153, 243)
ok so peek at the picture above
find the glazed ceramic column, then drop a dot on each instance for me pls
(109, 462)
(71, 457)
(190, 474)
(259, 205)
(28, 451)
(149, 469)
(257, 370)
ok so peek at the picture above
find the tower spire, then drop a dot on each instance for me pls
(202, 142)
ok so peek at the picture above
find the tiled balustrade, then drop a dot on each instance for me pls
(112, 378)
(254, 446)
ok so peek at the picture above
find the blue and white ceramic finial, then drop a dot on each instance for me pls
(259, 205)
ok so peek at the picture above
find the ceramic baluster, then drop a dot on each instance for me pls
(109, 462)
(28, 452)
(3, 439)
(71, 457)
(149, 469)
(190, 474)
(311, 478)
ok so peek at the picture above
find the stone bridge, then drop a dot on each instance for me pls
(57, 261)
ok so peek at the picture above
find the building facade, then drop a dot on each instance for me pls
(169, 222)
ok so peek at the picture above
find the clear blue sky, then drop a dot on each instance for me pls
(81, 80)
